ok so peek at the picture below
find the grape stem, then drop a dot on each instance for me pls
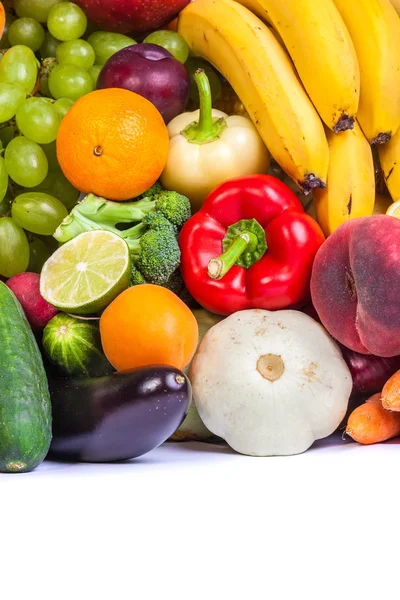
(36, 88)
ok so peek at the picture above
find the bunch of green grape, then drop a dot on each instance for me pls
(45, 67)
(50, 56)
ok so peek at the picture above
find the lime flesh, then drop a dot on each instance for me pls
(84, 275)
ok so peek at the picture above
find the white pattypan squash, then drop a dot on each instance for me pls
(270, 383)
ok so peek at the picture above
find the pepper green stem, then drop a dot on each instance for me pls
(218, 267)
(243, 245)
(207, 129)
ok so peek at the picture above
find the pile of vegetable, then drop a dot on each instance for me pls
(164, 273)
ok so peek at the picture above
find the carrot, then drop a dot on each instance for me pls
(370, 423)
(391, 393)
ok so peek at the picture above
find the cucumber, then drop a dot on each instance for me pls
(73, 345)
(25, 408)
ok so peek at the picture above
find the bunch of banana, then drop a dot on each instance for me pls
(346, 54)
(323, 53)
(374, 27)
(396, 4)
(389, 156)
(249, 56)
(350, 190)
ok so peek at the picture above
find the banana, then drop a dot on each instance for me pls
(350, 191)
(375, 30)
(248, 55)
(389, 157)
(323, 53)
(396, 4)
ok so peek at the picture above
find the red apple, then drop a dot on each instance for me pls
(132, 16)
(355, 285)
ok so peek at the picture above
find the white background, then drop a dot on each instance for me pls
(199, 521)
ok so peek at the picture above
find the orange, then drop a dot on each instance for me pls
(147, 325)
(113, 143)
(2, 19)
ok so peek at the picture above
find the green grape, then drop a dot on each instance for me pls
(37, 120)
(192, 64)
(11, 96)
(4, 43)
(62, 106)
(171, 41)
(66, 21)
(26, 162)
(94, 73)
(19, 66)
(76, 52)
(35, 9)
(49, 242)
(38, 212)
(50, 151)
(5, 205)
(106, 44)
(69, 81)
(44, 86)
(38, 254)
(58, 186)
(7, 132)
(46, 67)
(26, 32)
(91, 28)
(14, 248)
(49, 47)
(3, 179)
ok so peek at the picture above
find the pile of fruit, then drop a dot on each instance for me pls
(199, 225)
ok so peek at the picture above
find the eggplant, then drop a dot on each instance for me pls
(119, 416)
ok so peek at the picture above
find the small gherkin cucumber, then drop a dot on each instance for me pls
(73, 345)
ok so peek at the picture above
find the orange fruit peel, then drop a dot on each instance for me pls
(147, 325)
(113, 143)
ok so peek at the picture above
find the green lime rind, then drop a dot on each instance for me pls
(87, 273)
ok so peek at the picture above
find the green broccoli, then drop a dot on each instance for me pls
(174, 207)
(175, 283)
(151, 192)
(155, 220)
(149, 225)
(155, 254)
(136, 277)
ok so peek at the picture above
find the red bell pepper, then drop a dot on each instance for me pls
(251, 245)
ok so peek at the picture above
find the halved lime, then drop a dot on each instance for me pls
(84, 275)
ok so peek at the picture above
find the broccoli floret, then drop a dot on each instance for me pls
(149, 226)
(97, 213)
(158, 256)
(175, 207)
(175, 283)
(157, 221)
(153, 191)
(136, 277)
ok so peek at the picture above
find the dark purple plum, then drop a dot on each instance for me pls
(152, 72)
(119, 416)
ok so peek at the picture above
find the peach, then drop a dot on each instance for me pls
(355, 285)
